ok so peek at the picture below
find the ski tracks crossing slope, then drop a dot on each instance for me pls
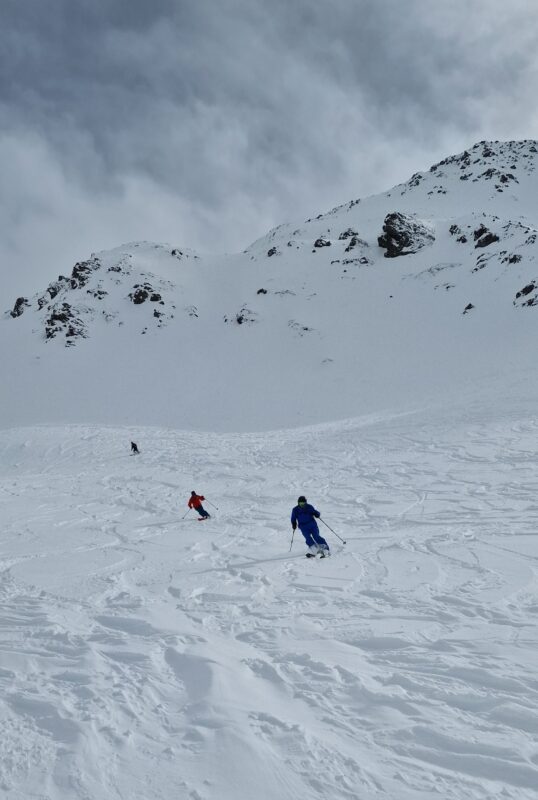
(148, 656)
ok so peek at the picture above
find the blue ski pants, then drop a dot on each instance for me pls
(313, 537)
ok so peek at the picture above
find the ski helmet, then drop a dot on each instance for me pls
(301, 499)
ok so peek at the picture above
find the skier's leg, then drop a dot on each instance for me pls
(307, 537)
(320, 541)
(312, 546)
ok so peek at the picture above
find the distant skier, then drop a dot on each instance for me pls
(134, 449)
(304, 516)
(195, 501)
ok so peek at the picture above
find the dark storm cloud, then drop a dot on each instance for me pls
(210, 120)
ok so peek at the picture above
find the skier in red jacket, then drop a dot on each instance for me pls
(195, 501)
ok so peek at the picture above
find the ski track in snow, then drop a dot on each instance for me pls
(145, 656)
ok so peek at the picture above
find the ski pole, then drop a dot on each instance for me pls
(185, 514)
(212, 504)
(292, 535)
(327, 526)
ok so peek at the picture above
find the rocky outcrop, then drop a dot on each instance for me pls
(143, 292)
(52, 290)
(70, 305)
(455, 230)
(63, 320)
(484, 237)
(81, 272)
(528, 296)
(20, 304)
(403, 235)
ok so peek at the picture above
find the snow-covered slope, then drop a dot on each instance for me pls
(388, 302)
(150, 657)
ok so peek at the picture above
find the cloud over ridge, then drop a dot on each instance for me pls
(207, 123)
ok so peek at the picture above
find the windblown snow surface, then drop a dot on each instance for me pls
(147, 655)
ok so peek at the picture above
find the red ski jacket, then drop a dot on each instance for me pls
(196, 500)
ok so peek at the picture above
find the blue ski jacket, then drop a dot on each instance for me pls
(303, 516)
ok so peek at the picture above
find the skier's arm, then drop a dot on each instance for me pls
(316, 513)
(293, 519)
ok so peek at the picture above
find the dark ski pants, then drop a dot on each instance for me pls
(313, 537)
(201, 510)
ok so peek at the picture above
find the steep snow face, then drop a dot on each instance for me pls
(392, 301)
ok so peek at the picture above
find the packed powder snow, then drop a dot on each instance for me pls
(146, 656)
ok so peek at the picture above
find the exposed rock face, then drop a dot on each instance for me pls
(484, 237)
(81, 272)
(487, 239)
(20, 304)
(455, 230)
(528, 296)
(143, 292)
(403, 235)
(139, 295)
(62, 320)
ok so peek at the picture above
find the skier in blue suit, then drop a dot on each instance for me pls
(303, 515)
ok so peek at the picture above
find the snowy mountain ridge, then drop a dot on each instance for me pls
(352, 291)
(494, 166)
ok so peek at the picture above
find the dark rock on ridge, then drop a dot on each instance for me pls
(484, 237)
(62, 319)
(527, 290)
(403, 235)
(20, 304)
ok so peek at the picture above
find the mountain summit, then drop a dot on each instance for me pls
(390, 301)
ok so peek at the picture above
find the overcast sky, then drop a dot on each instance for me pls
(204, 123)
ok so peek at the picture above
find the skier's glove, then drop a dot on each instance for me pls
(294, 527)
